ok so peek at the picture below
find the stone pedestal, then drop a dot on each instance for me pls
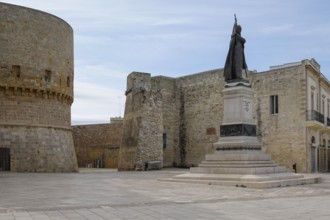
(238, 159)
(238, 129)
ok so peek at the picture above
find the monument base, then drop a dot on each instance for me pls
(260, 181)
(235, 143)
(243, 168)
(238, 159)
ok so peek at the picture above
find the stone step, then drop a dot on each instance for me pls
(237, 162)
(240, 177)
(238, 156)
(238, 170)
(237, 165)
(250, 181)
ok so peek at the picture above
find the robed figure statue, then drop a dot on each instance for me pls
(235, 62)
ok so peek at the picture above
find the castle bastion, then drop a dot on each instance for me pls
(36, 91)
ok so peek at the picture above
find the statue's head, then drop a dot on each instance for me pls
(238, 29)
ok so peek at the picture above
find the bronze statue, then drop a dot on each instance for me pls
(235, 62)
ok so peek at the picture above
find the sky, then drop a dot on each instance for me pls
(113, 38)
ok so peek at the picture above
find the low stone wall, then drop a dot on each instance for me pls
(97, 145)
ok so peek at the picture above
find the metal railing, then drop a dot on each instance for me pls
(317, 116)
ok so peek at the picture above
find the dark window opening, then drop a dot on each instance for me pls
(274, 104)
(48, 75)
(68, 81)
(164, 140)
(16, 70)
(4, 159)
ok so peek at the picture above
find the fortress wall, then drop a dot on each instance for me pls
(32, 107)
(200, 110)
(192, 109)
(94, 143)
(142, 126)
(184, 119)
(170, 111)
(36, 50)
(39, 149)
(36, 89)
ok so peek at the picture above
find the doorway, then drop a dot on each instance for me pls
(4, 159)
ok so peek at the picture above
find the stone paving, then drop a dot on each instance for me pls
(139, 195)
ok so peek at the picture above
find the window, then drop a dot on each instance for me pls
(274, 104)
(48, 75)
(68, 81)
(164, 140)
(16, 70)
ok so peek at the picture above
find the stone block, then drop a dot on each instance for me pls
(153, 165)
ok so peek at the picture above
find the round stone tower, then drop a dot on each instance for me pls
(36, 91)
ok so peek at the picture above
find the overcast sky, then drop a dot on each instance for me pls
(112, 38)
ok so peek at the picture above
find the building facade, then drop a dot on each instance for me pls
(177, 120)
(36, 91)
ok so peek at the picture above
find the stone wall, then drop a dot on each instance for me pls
(173, 120)
(36, 90)
(201, 110)
(97, 145)
(170, 110)
(192, 111)
(283, 135)
(142, 126)
(39, 149)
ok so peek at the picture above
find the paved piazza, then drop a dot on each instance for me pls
(107, 194)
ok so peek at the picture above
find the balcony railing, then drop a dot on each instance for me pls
(317, 116)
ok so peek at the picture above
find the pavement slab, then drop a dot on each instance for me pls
(108, 194)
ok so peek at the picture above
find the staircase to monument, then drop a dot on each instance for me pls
(239, 162)
(253, 169)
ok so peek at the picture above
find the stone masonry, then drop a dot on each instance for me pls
(142, 127)
(182, 138)
(191, 110)
(282, 134)
(36, 90)
(97, 145)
